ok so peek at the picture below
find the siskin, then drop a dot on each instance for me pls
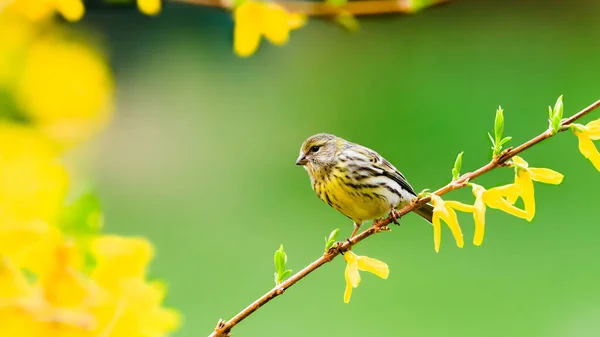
(355, 180)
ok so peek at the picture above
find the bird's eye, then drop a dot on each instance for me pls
(315, 148)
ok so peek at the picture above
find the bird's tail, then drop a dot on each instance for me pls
(425, 211)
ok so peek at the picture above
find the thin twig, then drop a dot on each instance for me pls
(223, 328)
(313, 8)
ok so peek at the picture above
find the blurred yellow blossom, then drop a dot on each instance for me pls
(131, 306)
(15, 35)
(444, 210)
(524, 177)
(37, 10)
(254, 19)
(149, 7)
(33, 181)
(354, 263)
(66, 89)
(586, 134)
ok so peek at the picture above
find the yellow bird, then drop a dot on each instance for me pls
(356, 180)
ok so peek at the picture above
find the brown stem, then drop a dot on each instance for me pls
(223, 328)
(313, 8)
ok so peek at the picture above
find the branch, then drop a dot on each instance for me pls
(223, 328)
(312, 8)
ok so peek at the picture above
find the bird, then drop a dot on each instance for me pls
(355, 180)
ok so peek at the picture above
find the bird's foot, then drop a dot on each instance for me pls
(394, 216)
(338, 247)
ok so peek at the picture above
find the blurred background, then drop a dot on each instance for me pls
(199, 158)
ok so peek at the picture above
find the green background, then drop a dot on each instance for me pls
(200, 159)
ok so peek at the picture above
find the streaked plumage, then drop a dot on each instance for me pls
(355, 180)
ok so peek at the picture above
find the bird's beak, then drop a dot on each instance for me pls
(301, 160)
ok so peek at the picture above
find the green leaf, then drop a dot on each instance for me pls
(505, 140)
(499, 124)
(556, 115)
(280, 260)
(493, 141)
(558, 108)
(336, 3)
(550, 113)
(330, 241)
(457, 166)
(285, 275)
(347, 20)
(83, 218)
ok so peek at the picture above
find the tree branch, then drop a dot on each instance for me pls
(313, 8)
(223, 328)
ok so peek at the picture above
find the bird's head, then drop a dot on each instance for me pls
(319, 151)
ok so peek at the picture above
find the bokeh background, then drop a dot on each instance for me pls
(199, 158)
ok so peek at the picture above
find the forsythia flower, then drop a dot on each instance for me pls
(66, 89)
(586, 134)
(33, 183)
(524, 177)
(253, 19)
(36, 10)
(149, 7)
(62, 301)
(444, 210)
(356, 263)
(493, 198)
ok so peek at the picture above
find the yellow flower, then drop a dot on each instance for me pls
(524, 177)
(37, 10)
(354, 263)
(586, 134)
(444, 210)
(130, 305)
(254, 19)
(33, 182)
(149, 7)
(66, 89)
(493, 198)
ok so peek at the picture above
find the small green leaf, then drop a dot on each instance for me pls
(505, 140)
(347, 20)
(285, 275)
(457, 166)
(493, 141)
(423, 193)
(336, 3)
(558, 108)
(330, 241)
(499, 124)
(280, 260)
(550, 113)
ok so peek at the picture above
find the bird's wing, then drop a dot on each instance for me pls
(388, 169)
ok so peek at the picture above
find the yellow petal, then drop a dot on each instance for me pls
(437, 231)
(452, 221)
(459, 206)
(545, 175)
(347, 292)
(510, 191)
(479, 218)
(296, 20)
(275, 25)
(246, 34)
(520, 162)
(71, 10)
(374, 266)
(527, 193)
(351, 273)
(503, 205)
(593, 129)
(587, 148)
(149, 7)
